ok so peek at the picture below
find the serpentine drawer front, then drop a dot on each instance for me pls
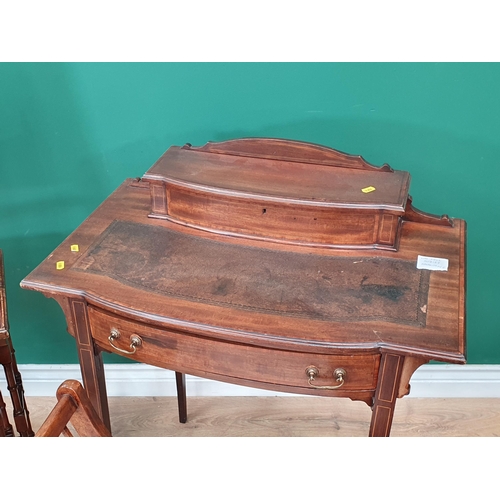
(212, 358)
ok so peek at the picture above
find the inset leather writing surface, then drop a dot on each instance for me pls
(441, 338)
(197, 269)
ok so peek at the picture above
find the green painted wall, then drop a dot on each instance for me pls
(70, 134)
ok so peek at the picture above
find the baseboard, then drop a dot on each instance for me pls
(429, 381)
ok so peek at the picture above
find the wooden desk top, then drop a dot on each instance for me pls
(269, 294)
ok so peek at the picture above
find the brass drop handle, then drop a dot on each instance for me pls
(135, 341)
(339, 374)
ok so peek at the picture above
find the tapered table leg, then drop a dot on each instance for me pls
(91, 363)
(180, 380)
(386, 394)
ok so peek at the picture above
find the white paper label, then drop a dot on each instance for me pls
(432, 263)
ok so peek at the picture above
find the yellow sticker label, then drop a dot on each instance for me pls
(60, 265)
(368, 189)
(75, 248)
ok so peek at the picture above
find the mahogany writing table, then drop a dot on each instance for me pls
(268, 263)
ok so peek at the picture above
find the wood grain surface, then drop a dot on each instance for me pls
(337, 288)
(244, 301)
(442, 338)
(289, 417)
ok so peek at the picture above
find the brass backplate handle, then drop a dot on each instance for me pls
(339, 375)
(135, 341)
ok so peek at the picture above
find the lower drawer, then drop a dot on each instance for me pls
(217, 359)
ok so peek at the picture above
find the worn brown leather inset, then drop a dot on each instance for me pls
(331, 288)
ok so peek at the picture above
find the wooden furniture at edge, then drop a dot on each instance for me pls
(12, 375)
(72, 401)
(269, 263)
(73, 406)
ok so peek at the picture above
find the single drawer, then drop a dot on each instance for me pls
(245, 364)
